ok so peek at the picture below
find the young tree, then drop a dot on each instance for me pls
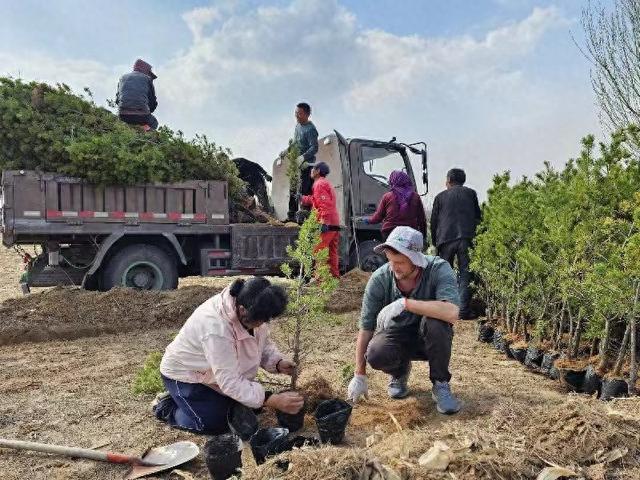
(313, 284)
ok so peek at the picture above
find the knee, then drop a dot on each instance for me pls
(436, 329)
(377, 355)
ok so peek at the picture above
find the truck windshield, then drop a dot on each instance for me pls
(379, 162)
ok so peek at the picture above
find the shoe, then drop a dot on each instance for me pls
(397, 387)
(446, 403)
(159, 399)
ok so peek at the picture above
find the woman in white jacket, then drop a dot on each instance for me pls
(213, 361)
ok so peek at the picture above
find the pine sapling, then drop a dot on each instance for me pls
(313, 284)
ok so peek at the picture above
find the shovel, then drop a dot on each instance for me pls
(153, 461)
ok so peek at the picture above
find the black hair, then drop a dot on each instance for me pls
(262, 300)
(456, 176)
(305, 106)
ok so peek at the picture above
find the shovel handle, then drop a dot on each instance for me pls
(70, 451)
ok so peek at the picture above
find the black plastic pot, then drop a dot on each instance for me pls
(592, 381)
(242, 421)
(533, 358)
(614, 388)
(223, 455)
(485, 332)
(268, 442)
(547, 367)
(332, 417)
(518, 353)
(573, 379)
(292, 422)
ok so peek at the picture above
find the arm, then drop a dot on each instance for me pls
(478, 212)
(372, 303)
(153, 102)
(434, 221)
(442, 310)
(364, 337)
(381, 211)
(221, 356)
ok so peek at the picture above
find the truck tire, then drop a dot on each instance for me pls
(369, 260)
(141, 266)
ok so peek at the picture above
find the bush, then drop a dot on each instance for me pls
(148, 378)
(51, 129)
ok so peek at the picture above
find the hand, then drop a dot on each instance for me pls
(287, 402)
(324, 228)
(390, 312)
(286, 366)
(358, 387)
(298, 197)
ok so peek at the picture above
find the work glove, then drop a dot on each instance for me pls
(358, 387)
(302, 162)
(390, 312)
(324, 228)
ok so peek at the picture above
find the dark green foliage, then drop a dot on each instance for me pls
(53, 130)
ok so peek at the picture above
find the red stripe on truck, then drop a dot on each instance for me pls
(54, 214)
(118, 215)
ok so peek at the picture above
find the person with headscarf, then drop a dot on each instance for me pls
(136, 96)
(400, 207)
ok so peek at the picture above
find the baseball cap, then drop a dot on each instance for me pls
(322, 167)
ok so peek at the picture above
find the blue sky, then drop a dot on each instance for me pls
(489, 84)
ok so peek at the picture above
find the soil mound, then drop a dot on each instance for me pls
(347, 296)
(68, 313)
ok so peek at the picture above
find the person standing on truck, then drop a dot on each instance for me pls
(305, 137)
(323, 199)
(212, 363)
(454, 219)
(401, 206)
(408, 310)
(136, 97)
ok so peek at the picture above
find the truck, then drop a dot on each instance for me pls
(148, 236)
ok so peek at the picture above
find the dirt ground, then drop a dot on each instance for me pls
(77, 391)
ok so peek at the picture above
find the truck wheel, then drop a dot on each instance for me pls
(369, 260)
(143, 267)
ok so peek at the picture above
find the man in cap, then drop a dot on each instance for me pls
(411, 303)
(323, 199)
(136, 97)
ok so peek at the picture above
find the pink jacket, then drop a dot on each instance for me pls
(214, 348)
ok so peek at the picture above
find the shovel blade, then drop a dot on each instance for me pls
(164, 458)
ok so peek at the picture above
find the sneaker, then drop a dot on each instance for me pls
(446, 403)
(159, 398)
(397, 387)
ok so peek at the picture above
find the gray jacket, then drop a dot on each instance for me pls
(136, 95)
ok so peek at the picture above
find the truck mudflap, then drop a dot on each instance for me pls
(260, 246)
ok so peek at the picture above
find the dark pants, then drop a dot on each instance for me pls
(460, 249)
(195, 407)
(393, 349)
(140, 120)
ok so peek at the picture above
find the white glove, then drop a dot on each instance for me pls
(302, 163)
(358, 387)
(390, 312)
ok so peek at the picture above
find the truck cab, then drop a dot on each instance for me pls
(360, 170)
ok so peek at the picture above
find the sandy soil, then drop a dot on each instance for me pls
(78, 391)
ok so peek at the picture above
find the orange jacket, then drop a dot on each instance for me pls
(323, 199)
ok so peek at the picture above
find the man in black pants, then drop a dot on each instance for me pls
(408, 311)
(256, 177)
(454, 219)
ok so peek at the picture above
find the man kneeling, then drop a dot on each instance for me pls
(411, 303)
(213, 361)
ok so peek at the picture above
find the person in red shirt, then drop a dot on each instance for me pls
(400, 207)
(323, 199)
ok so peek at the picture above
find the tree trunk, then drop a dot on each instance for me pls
(633, 374)
(594, 347)
(622, 352)
(605, 346)
(561, 323)
(577, 335)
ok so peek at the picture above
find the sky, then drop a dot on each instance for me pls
(490, 85)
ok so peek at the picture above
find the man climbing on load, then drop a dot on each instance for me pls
(256, 179)
(136, 97)
(409, 307)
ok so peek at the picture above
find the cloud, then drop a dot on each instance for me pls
(199, 18)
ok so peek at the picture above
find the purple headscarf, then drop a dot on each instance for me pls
(401, 187)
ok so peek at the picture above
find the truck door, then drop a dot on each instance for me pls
(371, 165)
